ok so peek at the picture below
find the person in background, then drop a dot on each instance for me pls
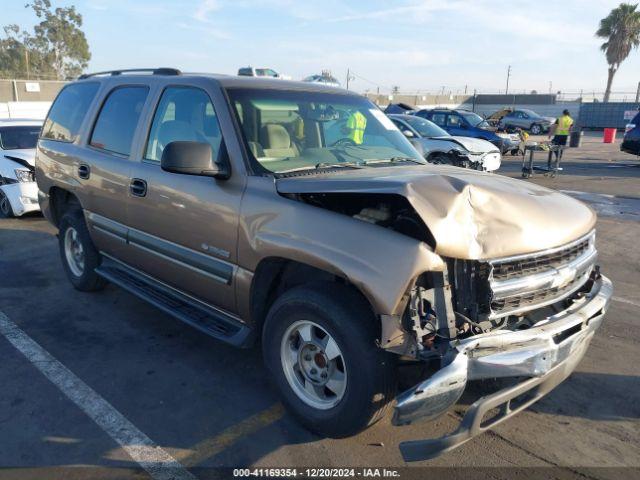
(561, 129)
(355, 126)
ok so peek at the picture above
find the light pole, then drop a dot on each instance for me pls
(506, 90)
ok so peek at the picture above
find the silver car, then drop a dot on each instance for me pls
(527, 120)
(438, 146)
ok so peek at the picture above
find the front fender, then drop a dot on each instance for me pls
(381, 263)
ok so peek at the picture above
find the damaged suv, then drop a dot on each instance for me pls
(298, 214)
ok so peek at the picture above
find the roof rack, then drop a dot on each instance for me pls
(153, 71)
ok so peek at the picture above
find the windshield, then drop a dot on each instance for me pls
(531, 113)
(475, 120)
(425, 128)
(12, 138)
(288, 130)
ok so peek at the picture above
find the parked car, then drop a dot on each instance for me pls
(464, 123)
(222, 201)
(526, 120)
(631, 140)
(325, 79)
(261, 72)
(18, 189)
(437, 146)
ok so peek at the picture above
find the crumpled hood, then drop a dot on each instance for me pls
(474, 145)
(27, 155)
(472, 215)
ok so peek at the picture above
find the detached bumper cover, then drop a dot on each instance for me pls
(547, 353)
(23, 197)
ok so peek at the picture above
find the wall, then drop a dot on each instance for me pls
(29, 90)
(605, 115)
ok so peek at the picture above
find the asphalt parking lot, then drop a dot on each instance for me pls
(207, 404)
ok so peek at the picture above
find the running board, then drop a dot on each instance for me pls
(211, 321)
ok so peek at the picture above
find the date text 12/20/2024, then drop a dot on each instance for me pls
(316, 473)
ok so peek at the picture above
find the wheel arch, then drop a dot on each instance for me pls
(60, 200)
(276, 275)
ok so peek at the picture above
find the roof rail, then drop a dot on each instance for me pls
(153, 71)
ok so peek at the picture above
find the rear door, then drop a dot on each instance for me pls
(183, 228)
(107, 167)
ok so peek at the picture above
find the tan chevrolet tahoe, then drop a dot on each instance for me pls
(298, 215)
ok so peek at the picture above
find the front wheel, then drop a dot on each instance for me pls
(536, 129)
(320, 347)
(5, 205)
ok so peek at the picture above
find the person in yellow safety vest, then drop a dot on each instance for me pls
(356, 124)
(561, 129)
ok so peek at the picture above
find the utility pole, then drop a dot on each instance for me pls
(348, 75)
(506, 90)
(638, 93)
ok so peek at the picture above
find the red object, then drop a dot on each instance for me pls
(609, 135)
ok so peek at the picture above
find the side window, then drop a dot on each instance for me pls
(438, 119)
(453, 121)
(118, 119)
(183, 114)
(68, 111)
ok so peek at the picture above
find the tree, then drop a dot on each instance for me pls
(59, 36)
(57, 48)
(621, 29)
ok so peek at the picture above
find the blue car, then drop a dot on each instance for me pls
(631, 141)
(464, 123)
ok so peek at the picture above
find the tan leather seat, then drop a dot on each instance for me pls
(276, 142)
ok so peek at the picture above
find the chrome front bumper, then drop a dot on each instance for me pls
(547, 353)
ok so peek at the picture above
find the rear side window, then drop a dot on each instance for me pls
(68, 111)
(118, 119)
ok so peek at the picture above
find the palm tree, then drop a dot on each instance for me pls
(621, 29)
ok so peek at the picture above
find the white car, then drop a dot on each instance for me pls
(18, 189)
(265, 72)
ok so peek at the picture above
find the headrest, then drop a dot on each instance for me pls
(275, 136)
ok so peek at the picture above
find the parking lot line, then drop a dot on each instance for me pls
(624, 300)
(156, 461)
(211, 447)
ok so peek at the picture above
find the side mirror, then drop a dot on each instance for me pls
(464, 125)
(408, 133)
(191, 158)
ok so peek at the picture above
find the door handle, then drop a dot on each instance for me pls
(84, 171)
(138, 187)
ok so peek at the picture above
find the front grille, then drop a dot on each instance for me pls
(530, 265)
(521, 283)
(535, 298)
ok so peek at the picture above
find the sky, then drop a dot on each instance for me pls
(417, 45)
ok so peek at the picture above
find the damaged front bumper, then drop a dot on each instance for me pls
(547, 353)
(23, 197)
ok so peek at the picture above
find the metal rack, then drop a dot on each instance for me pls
(553, 166)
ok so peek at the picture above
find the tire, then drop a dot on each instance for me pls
(536, 129)
(369, 372)
(79, 255)
(5, 205)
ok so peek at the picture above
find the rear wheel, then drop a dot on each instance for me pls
(5, 205)
(79, 256)
(319, 345)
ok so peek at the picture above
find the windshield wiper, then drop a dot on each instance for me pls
(340, 165)
(394, 160)
(320, 165)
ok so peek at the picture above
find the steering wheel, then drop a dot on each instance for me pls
(344, 142)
